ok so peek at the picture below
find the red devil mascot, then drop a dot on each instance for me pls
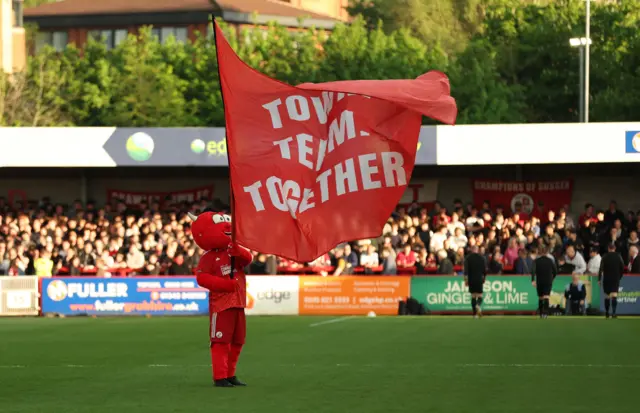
(227, 292)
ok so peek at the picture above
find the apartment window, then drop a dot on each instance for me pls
(111, 38)
(18, 17)
(58, 40)
(164, 33)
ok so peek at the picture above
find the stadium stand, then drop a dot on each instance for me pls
(45, 239)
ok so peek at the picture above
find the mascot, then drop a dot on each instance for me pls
(227, 292)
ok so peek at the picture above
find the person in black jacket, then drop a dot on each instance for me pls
(575, 296)
(542, 275)
(475, 273)
(609, 276)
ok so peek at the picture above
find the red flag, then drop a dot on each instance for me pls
(319, 164)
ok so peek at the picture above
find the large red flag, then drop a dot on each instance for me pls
(319, 164)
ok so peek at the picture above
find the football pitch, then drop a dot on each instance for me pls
(315, 364)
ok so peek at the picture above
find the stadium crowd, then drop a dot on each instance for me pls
(45, 239)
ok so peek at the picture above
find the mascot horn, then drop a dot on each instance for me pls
(221, 271)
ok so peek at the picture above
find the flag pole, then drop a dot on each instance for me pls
(212, 25)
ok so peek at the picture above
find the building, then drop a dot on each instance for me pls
(74, 21)
(12, 36)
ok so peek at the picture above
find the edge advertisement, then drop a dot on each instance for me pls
(352, 295)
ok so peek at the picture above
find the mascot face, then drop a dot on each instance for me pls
(211, 231)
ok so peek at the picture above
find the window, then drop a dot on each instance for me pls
(58, 40)
(164, 33)
(18, 17)
(111, 38)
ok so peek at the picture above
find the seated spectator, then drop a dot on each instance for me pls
(564, 267)
(458, 257)
(102, 270)
(135, 258)
(511, 254)
(438, 239)
(633, 239)
(151, 267)
(178, 266)
(474, 222)
(633, 267)
(496, 262)
(551, 236)
(351, 256)
(406, 258)
(369, 260)
(422, 263)
(458, 240)
(524, 263)
(340, 263)
(455, 224)
(43, 264)
(389, 261)
(445, 266)
(593, 267)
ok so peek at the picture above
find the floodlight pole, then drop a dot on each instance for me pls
(582, 113)
(586, 62)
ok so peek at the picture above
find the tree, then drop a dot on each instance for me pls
(24, 100)
(144, 90)
(482, 96)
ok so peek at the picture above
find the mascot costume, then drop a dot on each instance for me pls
(227, 292)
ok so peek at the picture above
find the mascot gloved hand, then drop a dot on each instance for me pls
(227, 292)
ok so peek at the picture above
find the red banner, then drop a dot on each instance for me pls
(554, 194)
(135, 198)
(319, 164)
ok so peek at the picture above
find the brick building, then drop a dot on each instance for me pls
(74, 21)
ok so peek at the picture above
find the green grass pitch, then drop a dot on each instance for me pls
(305, 364)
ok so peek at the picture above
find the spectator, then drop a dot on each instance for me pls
(178, 266)
(633, 239)
(340, 263)
(445, 266)
(438, 239)
(613, 214)
(524, 263)
(407, 258)
(575, 296)
(135, 258)
(588, 217)
(551, 236)
(511, 254)
(102, 270)
(496, 263)
(389, 261)
(44, 265)
(455, 224)
(458, 240)
(576, 259)
(593, 267)
(350, 256)
(369, 260)
(565, 267)
(634, 262)
(4, 259)
(151, 267)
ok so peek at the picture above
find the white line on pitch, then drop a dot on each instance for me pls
(333, 320)
(627, 366)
